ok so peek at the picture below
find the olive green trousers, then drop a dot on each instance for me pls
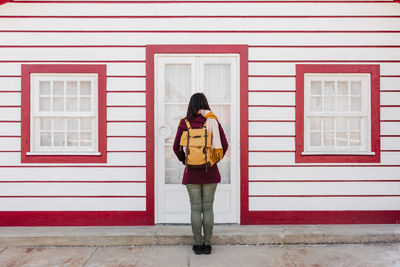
(201, 202)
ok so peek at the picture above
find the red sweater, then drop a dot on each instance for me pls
(198, 175)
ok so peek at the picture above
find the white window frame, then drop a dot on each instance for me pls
(365, 114)
(35, 148)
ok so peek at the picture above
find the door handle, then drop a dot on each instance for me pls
(165, 131)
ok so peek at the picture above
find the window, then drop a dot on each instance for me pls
(66, 107)
(337, 113)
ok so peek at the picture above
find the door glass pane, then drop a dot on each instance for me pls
(173, 167)
(217, 83)
(177, 83)
(173, 114)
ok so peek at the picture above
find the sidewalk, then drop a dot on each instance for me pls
(159, 235)
(344, 255)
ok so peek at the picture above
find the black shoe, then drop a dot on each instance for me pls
(207, 249)
(198, 249)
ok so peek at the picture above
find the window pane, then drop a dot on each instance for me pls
(85, 88)
(341, 123)
(315, 123)
(44, 87)
(316, 104)
(72, 104)
(315, 139)
(45, 139)
(85, 104)
(59, 139)
(356, 88)
(355, 104)
(58, 104)
(341, 139)
(44, 104)
(343, 88)
(224, 167)
(217, 82)
(72, 88)
(355, 139)
(86, 139)
(328, 123)
(72, 139)
(316, 87)
(45, 123)
(86, 124)
(343, 103)
(329, 88)
(59, 123)
(173, 114)
(328, 138)
(72, 123)
(58, 88)
(355, 123)
(177, 83)
(329, 103)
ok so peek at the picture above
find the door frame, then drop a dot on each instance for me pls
(151, 50)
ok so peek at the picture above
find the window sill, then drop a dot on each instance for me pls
(344, 153)
(63, 154)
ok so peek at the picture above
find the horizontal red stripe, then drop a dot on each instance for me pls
(383, 91)
(125, 136)
(16, 106)
(126, 121)
(390, 120)
(390, 135)
(389, 106)
(10, 121)
(131, 91)
(71, 61)
(75, 218)
(100, 182)
(10, 92)
(272, 136)
(322, 217)
(194, 31)
(337, 165)
(390, 150)
(324, 195)
(10, 76)
(73, 166)
(10, 136)
(72, 196)
(271, 121)
(272, 151)
(320, 181)
(125, 151)
(309, 61)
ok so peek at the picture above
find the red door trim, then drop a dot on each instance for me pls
(242, 50)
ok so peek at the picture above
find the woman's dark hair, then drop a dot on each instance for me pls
(197, 101)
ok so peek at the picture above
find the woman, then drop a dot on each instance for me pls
(201, 183)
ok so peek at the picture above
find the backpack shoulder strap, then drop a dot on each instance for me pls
(188, 124)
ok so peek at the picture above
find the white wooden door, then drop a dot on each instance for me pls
(177, 77)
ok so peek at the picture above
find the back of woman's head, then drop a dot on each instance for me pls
(197, 101)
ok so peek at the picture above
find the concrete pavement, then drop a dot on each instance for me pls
(351, 255)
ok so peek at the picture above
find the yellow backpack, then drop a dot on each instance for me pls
(197, 143)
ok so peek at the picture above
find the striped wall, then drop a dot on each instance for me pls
(280, 35)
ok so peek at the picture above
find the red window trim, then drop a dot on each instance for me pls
(242, 50)
(26, 70)
(374, 70)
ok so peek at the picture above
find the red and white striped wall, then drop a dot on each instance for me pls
(279, 35)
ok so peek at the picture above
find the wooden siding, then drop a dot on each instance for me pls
(279, 36)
